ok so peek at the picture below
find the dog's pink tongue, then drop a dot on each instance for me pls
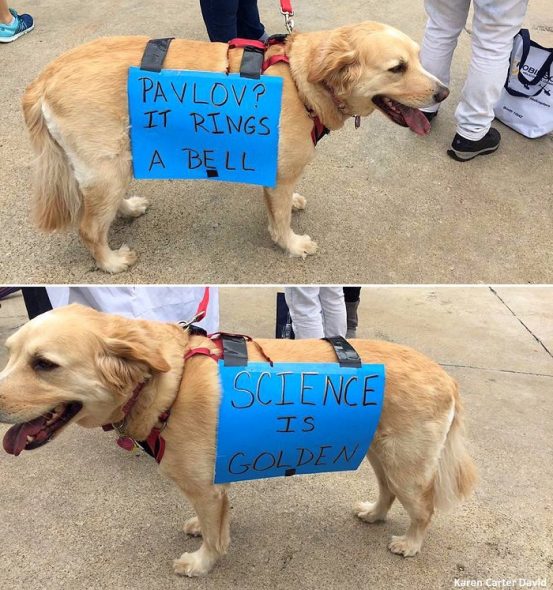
(416, 120)
(15, 438)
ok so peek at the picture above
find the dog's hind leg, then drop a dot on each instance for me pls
(419, 503)
(279, 202)
(101, 202)
(211, 506)
(376, 511)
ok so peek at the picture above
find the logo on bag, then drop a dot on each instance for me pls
(547, 78)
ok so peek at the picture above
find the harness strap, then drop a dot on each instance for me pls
(215, 355)
(252, 63)
(277, 39)
(275, 59)
(252, 59)
(235, 351)
(318, 131)
(241, 42)
(346, 354)
(216, 337)
(154, 445)
(154, 54)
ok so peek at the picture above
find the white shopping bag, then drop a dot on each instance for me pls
(526, 103)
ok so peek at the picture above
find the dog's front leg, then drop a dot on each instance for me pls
(211, 506)
(280, 201)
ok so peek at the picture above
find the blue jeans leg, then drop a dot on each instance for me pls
(249, 25)
(227, 19)
(220, 19)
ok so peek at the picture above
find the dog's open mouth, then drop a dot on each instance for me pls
(403, 115)
(35, 433)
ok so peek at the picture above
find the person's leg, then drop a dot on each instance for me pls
(333, 311)
(305, 311)
(248, 22)
(36, 301)
(6, 16)
(446, 19)
(13, 25)
(494, 26)
(220, 18)
(351, 297)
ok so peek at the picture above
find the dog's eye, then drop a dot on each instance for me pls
(41, 364)
(399, 69)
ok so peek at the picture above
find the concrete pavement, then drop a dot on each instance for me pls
(81, 513)
(384, 205)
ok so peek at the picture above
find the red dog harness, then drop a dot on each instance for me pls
(254, 63)
(154, 444)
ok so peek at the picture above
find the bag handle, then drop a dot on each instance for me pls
(526, 44)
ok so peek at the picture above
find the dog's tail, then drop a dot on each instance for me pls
(57, 199)
(456, 475)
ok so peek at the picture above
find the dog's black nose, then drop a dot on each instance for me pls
(441, 94)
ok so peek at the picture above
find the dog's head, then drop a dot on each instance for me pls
(373, 65)
(72, 364)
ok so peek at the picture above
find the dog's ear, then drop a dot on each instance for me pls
(127, 356)
(337, 61)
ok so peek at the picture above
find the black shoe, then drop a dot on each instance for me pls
(430, 116)
(464, 150)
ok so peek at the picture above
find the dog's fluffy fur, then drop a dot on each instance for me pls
(75, 354)
(76, 112)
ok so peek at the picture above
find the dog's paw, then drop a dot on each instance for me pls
(192, 527)
(118, 260)
(301, 246)
(401, 545)
(133, 206)
(367, 511)
(192, 564)
(298, 202)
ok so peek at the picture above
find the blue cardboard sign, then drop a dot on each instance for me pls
(204, 125)
(295, 418)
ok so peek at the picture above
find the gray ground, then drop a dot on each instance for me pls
(384, 205)
(82, 513)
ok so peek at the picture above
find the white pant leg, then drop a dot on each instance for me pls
(334, 311)
(305, 311)
(495, 24)
(446, 19)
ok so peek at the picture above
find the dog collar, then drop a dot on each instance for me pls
(154, 444)
(341, 105)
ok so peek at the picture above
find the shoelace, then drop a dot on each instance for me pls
(21, 24)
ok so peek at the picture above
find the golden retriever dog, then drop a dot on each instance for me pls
(77, 115)
(78, 365)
